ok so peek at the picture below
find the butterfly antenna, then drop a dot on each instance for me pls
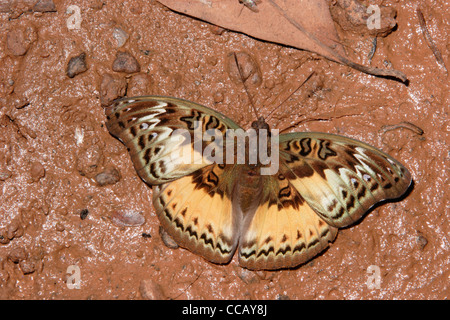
(245, 86)
(290, 95)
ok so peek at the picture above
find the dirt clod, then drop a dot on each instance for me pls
(111, 88)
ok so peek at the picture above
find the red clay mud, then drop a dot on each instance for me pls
(58, 159)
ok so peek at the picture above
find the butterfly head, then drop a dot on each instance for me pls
(260, 124)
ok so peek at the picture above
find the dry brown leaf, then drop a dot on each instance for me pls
(303, 24)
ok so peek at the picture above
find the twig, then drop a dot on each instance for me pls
(319, 118)
(430, 42)
(190, 285)
(343, 60)
(245, 86)
(404, 125)
(374, 48)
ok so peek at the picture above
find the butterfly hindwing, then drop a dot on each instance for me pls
(284, 231)
(340, 178)
(160, 135)
(197, 211)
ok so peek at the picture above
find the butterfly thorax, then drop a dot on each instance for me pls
(249, 187)
(250, 184)
(260, 124)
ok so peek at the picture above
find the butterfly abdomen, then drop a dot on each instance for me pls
(248, 188)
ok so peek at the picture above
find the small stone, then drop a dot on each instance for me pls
(216, 30)
(218, 97)
(44, 6)
(19, 102)
(421, 240)
(247, 276)
(14, 230)
(125, 62)
(16, 43)
(37, 171)
(3, 238)
(167, 239)
(5, 174)
(96, 4)
(127, 218)
(150, 290)
(17, 254)
(111, 88)
(88, 160)
(84, 213)
(28, 266)
(59, 227)
(76, 65)
(108, 176)
(140, 84)
(120, 36)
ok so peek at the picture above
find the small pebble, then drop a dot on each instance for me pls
(120, 36)
(44, 6)
(125, 62)
(111, 88)
(5, 174)
(247, 276)
(108, 176)
(3, 238)
(28, 266)
(59, 227)
(127, 218)
(37, 171)
(84, 213)
(19, 102)
(17, 254)
(216, 30)
(421, 240)
(167, 239)
(16, 43)
(282, 297)
(76, 65)
(218, 97)
(150, 290)
(139, 84)
(14, 230)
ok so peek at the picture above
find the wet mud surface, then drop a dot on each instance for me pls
(72, 203)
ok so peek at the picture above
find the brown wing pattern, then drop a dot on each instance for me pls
(340, 178)
(148, 126)
(197, 211)
(284, 231)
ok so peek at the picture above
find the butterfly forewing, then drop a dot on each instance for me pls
(340, 178)
(150, 128)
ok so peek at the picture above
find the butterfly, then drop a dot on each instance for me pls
(280, 220)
